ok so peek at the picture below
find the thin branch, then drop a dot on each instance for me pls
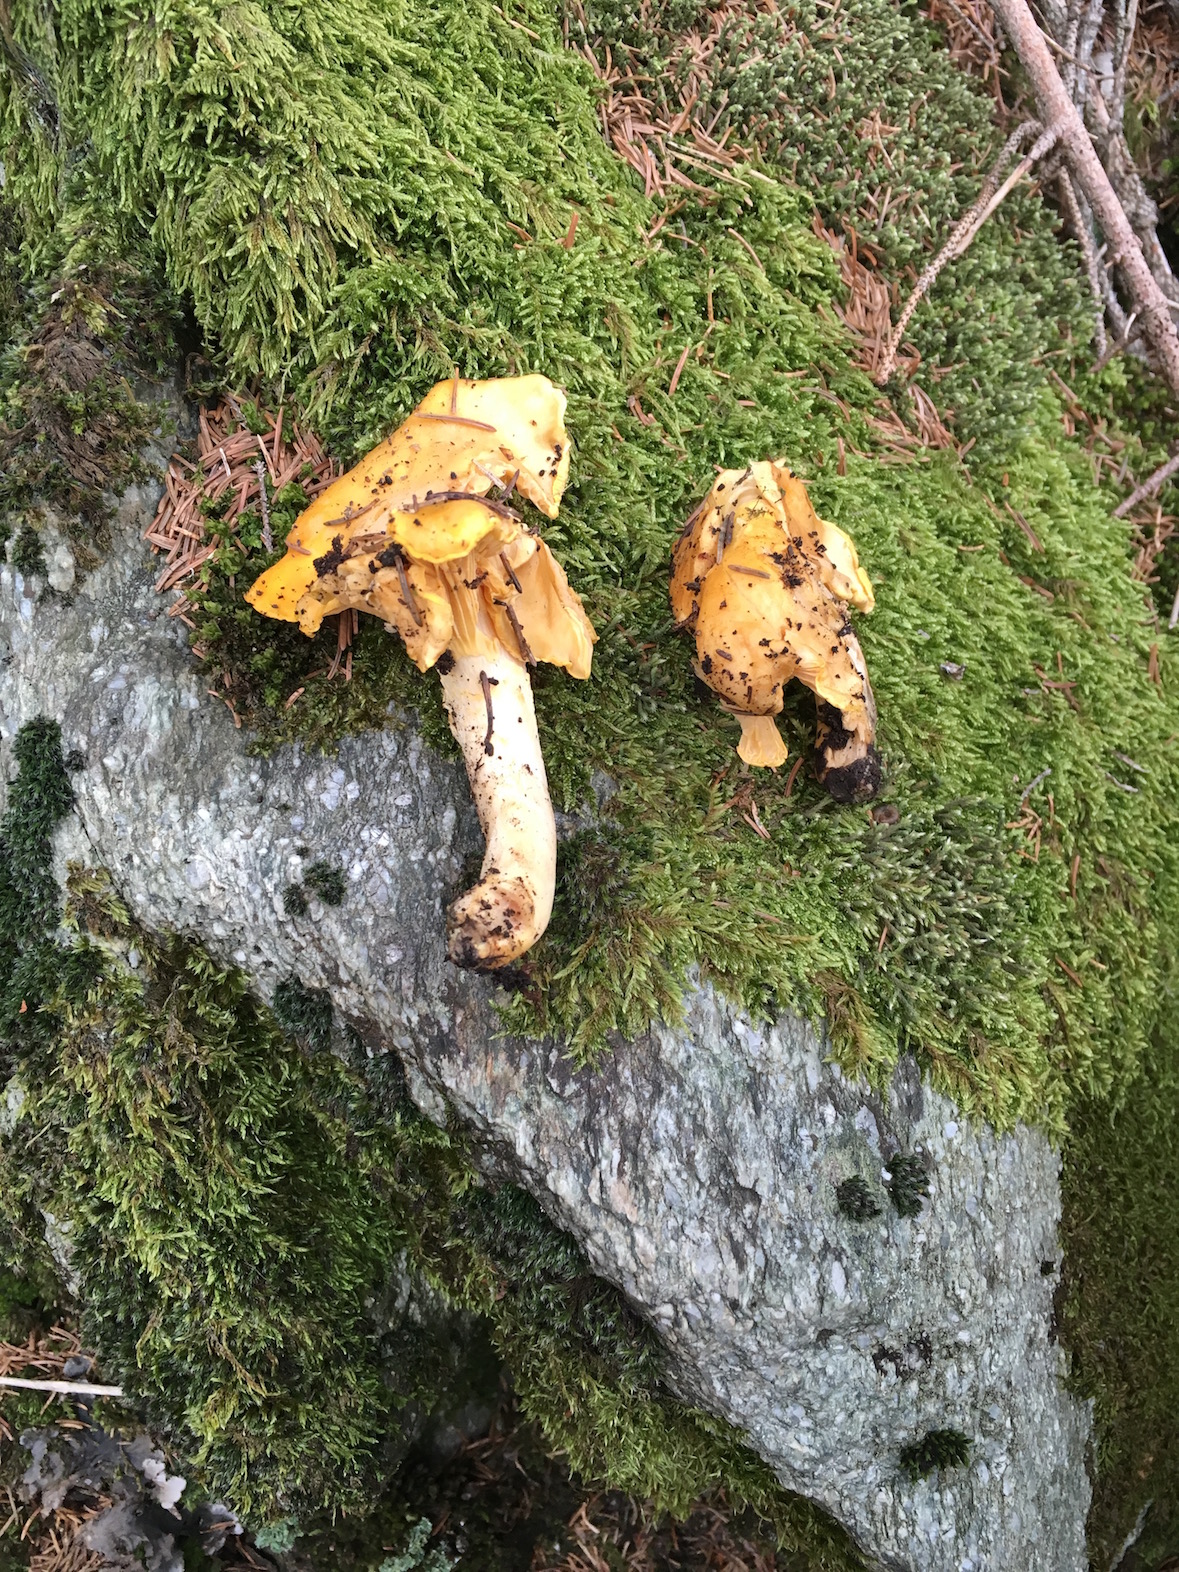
(1118, 346)
(1149, 487)
(1058, 109)
(1070, 46)
(81, 1388)
(1127, 22)
(965, 230)
(1084, 238)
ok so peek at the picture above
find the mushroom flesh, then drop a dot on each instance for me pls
(765, 584)
(414, 535)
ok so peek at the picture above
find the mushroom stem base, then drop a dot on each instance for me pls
(761, 742)
(489, 704)
(846, 761)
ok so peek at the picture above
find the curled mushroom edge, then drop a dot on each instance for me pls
(422, 533)
(764, 584)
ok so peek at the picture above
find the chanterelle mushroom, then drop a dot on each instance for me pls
(763, 583)
(413, 535)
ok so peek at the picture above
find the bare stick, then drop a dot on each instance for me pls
(80, 1388)
(1149, 487)
(1058, 109)
(1119, 345)
(1084, 239)
(1127, 21)
(963, 233)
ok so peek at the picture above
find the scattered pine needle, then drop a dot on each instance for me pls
(235, 474)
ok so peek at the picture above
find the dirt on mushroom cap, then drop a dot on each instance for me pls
(412, 535)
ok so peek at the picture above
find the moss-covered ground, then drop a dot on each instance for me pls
(349, 201)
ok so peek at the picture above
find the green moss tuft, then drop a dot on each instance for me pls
(908, 1185)
(329, 883)
(856, 1200)
(937, 1449)
(71, 424)
(304, 1013)
(1118, 1300)
(418, 1555)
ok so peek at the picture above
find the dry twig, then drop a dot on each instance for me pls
(968, 226)
(1149, 487)
(1129, 250)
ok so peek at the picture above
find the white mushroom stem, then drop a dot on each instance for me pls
(489, 702)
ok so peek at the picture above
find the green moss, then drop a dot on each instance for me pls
(329, 883)
(419, 1555)
(321, 881)
(294, 900)
(937, 1449)
(304, 1013)
(855, 1199)
(862, 107)
(908, 1183)
(71, 425)
(28, 556)
(1118, 1302)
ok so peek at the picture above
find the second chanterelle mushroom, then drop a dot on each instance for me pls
(764, 584)
(414, 535)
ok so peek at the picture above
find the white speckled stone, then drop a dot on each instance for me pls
(696, 1167)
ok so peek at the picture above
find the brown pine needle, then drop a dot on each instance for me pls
(676, 374)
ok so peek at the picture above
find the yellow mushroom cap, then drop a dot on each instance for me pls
(763, 583)
(411, 535)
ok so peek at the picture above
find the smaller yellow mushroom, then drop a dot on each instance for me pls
(412, 535)
(764, 583)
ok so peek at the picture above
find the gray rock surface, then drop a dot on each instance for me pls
(697, 1167)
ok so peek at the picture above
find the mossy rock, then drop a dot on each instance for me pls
(1011, 927)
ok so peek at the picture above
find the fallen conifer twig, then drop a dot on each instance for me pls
(968, 226)
(1093, 273)
(78, 1388)
(1154, 483)
(1125, 249)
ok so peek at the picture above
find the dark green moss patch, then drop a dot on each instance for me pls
(937, 1449)
(1118, 1300)
(908, 1184)
(322, 881)
(329, 883)
(71, 425)
(304, 1013)
(856, 1200)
